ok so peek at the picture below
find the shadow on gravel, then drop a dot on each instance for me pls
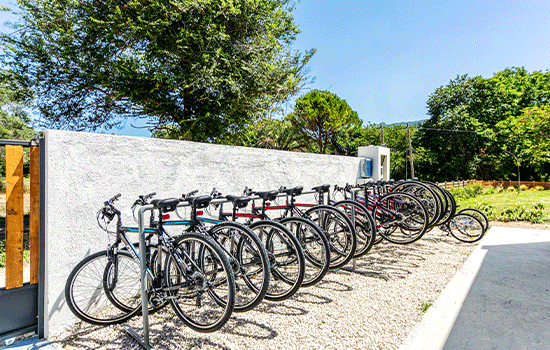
(279, 308)
(83, 336)
(310, 298)
(333, 285)
(249, 329)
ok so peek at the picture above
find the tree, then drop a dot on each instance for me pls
(467, 112)
(319, 115)
(14, 119)
(194, 69)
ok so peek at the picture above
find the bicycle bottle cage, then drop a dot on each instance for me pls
(199, 202)
(165, 205)
(322, 188)
(293, 191)
(239, 202)
(268, 195)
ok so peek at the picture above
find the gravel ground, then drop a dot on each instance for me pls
(344, 311)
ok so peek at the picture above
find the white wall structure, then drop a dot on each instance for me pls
(380, 162)
(83, 170)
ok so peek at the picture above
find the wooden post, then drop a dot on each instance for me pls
(410, 151)
(34, 212)
(14, 216)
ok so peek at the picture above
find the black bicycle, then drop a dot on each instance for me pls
(190, 271)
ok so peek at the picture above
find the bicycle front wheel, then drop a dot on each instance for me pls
(85, 294)
(364, 225)
(200, 282)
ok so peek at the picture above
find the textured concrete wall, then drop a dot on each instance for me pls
(83, 170)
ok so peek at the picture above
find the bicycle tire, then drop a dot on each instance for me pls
(466, 228)
(400, 218)
(339, 230)
(315, 246)
(85, 295)
(286, 259)
(478, 214)
(364, 225)
(203, 296)
(250, 262)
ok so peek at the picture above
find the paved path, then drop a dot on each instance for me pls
(499, 299)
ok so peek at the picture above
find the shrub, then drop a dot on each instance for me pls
(523, 188)
(538, 188)
(486, 208)
(511, 189)
(499, 189)
(534, 214)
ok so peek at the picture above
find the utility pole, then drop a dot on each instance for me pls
(410, 151)
(381, 135)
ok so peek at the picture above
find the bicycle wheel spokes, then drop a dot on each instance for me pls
(200, 282)
(314, 245)
(401, 218)
(85, 294)
(364, 225)
(466, 228)
(339, 230)
(286, 259)
(249, 261)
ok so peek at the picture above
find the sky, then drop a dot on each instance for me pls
(386, 57)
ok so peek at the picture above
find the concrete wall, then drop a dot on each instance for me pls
(83, 170)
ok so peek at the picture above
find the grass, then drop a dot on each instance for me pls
(504, 200)
(533, 206)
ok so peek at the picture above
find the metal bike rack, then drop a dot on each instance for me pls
(144, 340)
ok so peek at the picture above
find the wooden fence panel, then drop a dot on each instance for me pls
(14, 216)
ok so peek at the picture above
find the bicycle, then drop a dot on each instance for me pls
(196, 276)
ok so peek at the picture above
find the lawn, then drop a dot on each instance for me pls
(503, 200)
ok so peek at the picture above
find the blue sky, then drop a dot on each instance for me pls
(386, 57)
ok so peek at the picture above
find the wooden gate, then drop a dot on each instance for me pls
(19, 296)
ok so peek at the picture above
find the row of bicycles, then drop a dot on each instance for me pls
(211, 255)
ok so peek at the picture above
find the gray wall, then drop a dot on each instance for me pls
(83, 170)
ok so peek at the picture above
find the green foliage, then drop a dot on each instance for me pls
(323, 119)
(538, 188)
(521, 212)
(470, 191)
(523, 188)
(14, 119)
(195, 70)
(505, 113)
(424, 306)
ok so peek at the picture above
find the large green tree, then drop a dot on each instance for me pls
(194, 69)
(467, 112)
(319, 116)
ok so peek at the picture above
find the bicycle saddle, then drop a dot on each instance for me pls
(322, 188)
(165, 205)
(199, 202)
(296, 191)
(268, 195)
(239, 202)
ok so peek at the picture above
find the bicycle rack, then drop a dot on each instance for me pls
(144, 340)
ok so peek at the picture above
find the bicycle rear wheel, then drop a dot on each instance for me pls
(315, 246)
(200, 282)
(85, 294)
(364, 225)
(339, 230)
(286, 259)
(400, 218)
(466, 228)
